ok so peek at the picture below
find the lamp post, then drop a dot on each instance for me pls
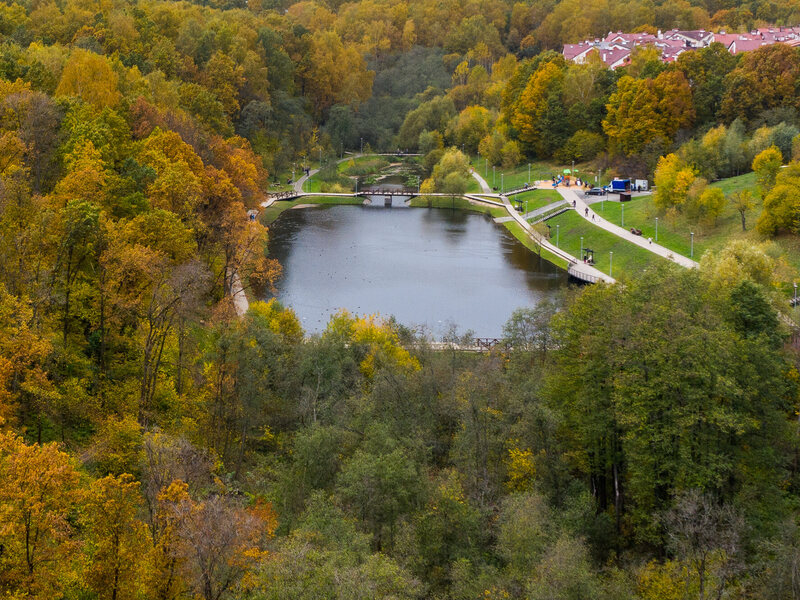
(502, 185)
(557, 226)
(623, 214)
(494, 176)
(610, 263)
(691, 247)
(529, 172)
(581, 247)
(656, 228)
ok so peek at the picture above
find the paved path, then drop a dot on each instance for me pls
(298, 185)
(485, 189)
(576, 268)
(240, 303)
(587, 213)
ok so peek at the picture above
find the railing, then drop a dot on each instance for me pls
(581, 275)
(520, 190)
(392, 192)
(549, 215)
(284, 195)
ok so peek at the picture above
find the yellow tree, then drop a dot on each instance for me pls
(90, 77)
(533, 102)
(673, 178)
(335, 73)
(116, 545)
(39, 489)
(766, 166)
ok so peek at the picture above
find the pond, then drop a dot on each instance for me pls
(426, 267)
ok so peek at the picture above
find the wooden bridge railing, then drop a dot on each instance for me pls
(392, 192)
(284, 195)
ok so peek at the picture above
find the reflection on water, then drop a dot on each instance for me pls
(424, 266)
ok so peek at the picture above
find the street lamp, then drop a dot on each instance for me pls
(581, 247)
(656, 228)
(610, 263)
(529, 172)
(691, 248)
(502, 185)
(557, 226)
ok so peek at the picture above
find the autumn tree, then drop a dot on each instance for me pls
(742, 201)
(641, 111)
(766, 166)
(335, 73)
(117, 549)
(673, 179)
(40, 489)
(90, 77)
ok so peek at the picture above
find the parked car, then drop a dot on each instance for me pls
(596, 191)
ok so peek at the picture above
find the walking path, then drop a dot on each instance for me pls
(576, 268)
(585, 211)
(240, 302)
(485, 189)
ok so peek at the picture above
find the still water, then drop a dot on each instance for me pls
(427, 267)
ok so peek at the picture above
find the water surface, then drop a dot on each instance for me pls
(427, 267)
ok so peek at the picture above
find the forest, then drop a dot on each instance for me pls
(630, 441)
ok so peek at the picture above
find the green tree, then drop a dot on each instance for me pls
(766, 166)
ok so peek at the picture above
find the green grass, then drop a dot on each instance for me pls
(628, 258)
(675, 233)
(734, 184)
(358, 161)
(536, 198)
(268, 215)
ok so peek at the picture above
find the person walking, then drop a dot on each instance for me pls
(586, 212)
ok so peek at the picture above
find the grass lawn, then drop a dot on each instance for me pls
(536, 198)
(268, 215)
(628, 258)
(675, 233)
(741, 182)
